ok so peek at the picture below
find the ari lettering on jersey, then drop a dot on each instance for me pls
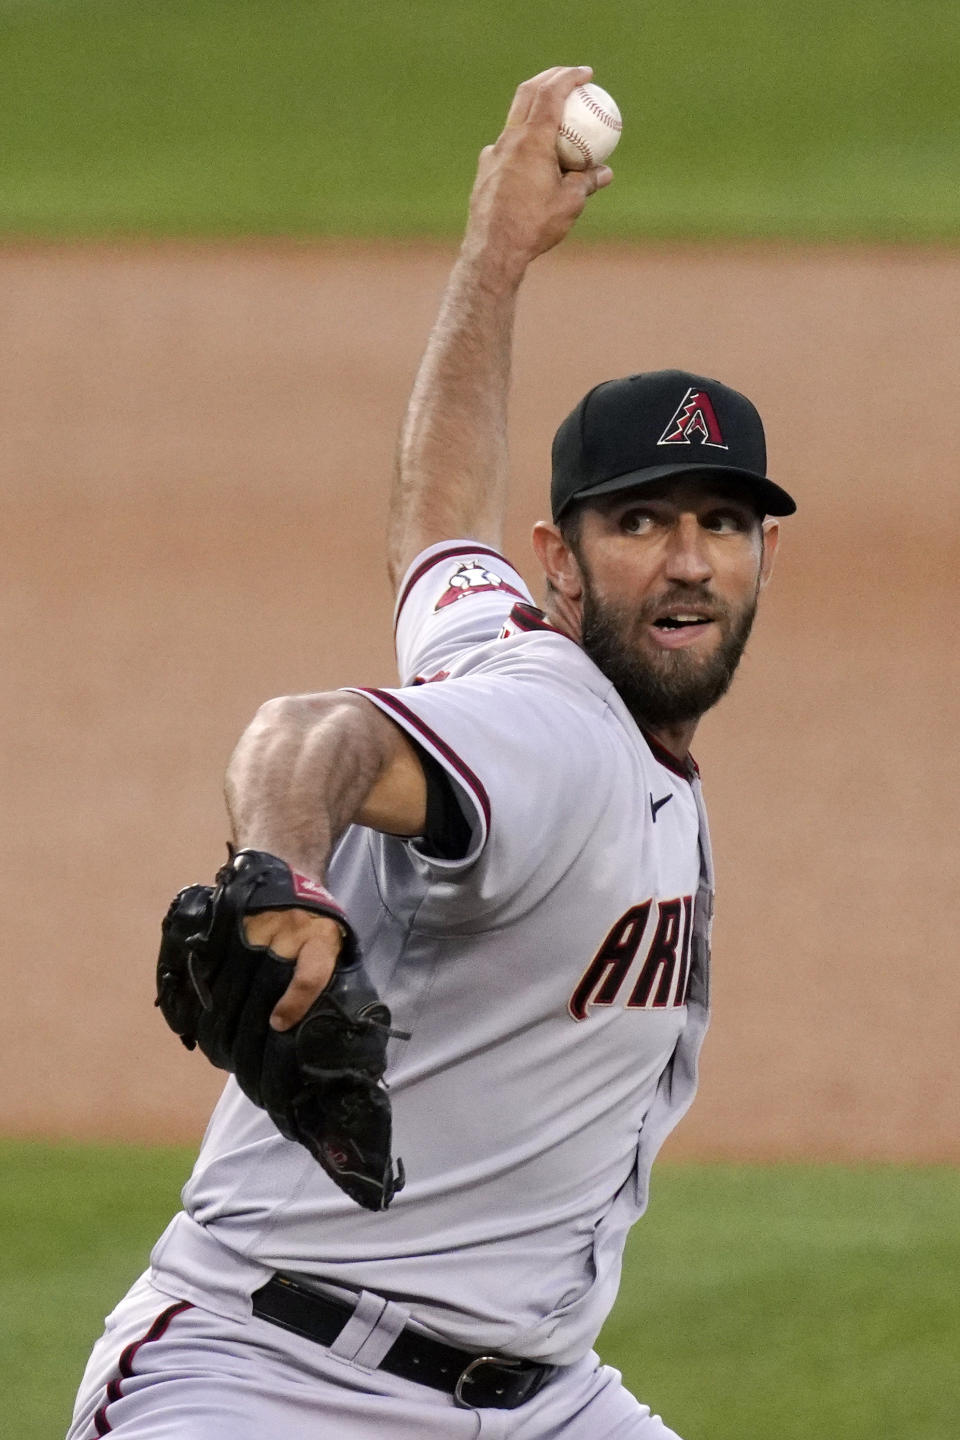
(661, 979)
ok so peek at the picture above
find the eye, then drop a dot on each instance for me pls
(731, 520)
(636, 522)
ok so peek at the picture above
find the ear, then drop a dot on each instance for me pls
(770, 539)
(558, 560)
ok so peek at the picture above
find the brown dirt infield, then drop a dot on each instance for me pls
(196, 450)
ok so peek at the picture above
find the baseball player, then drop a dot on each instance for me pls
(514, 841)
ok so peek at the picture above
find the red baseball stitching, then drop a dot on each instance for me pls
(578, 141)
(598, 109)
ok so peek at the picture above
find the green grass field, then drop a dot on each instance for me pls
(823, 119)
(757, 1303)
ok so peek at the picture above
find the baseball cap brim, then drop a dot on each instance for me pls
(771, 498)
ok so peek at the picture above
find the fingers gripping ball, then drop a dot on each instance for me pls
(321, 1082)
(589, 128)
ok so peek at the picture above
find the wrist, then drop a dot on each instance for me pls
(491, 268)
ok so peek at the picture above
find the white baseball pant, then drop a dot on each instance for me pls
(168, 1370)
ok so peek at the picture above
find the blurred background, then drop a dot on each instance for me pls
(224, 230)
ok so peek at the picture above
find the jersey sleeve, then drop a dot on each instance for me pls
(454, 595)
(526, 756)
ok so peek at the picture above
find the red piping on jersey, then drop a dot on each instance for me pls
(125, 1363)
(461, 767)
(527, 617)
(663, 755)
(432, 560)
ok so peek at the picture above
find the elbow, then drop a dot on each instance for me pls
(292, 716)
(275, 715)
(299, 773)
(282, 723)
(267, 755)
(274, 723)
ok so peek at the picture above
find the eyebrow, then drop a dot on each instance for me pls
(626, 500)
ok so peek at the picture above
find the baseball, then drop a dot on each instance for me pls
(589, 129)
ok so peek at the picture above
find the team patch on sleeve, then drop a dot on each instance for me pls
(471, 577)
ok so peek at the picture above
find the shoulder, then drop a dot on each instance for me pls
(529, 650)
(455, 595)
(457, 569)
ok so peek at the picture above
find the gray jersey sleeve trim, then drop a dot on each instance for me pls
(434, 556)
(437, 746)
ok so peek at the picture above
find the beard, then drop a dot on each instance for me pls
(663, 688)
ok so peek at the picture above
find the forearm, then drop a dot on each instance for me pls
(451, 471)
(452, 459)
(310, 765)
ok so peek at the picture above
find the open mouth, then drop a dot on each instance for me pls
(679, 628)
(681, 622)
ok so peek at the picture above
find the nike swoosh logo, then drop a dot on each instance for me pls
(656, 805)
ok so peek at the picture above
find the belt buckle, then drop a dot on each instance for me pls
(468, 1376)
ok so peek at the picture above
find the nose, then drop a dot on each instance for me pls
(688, 560)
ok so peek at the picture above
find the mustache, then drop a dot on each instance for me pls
(692, 597)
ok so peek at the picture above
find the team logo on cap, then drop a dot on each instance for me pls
(472, 578)
(694, 419)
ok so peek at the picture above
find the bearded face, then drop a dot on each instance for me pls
(665, 687)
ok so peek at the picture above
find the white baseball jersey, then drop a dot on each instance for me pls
(553, 980)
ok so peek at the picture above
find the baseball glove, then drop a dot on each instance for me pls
(321, 1082)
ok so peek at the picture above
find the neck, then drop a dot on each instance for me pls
(563, 613)
(675, 738)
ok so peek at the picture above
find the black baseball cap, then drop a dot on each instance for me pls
(629, 432)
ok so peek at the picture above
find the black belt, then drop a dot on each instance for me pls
(474, 1381)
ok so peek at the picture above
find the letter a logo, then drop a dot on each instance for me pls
(694, 419)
